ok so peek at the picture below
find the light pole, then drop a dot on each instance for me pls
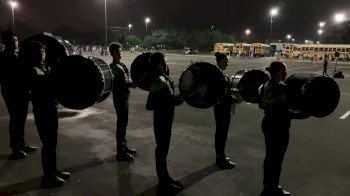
(273, 12)
(13, 5)
(130, 25)
(147, 20)
(106, 23)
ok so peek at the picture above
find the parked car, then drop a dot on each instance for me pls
(188, 50)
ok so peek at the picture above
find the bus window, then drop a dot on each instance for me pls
(343, 50)
(348, 50)
(316, 49)
(303, 48)
(326, 49)
(307, 48)
(321, 49)
(334, 49)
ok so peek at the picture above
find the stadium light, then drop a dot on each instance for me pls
(339, 17)
(322, 24)
(147, 20)
(130, 25)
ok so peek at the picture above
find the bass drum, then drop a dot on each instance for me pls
(312, 94)
(56, 47)
(82, 81)
(247, 83)
(140, 71)
(202, 84)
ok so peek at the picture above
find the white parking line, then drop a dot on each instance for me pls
(345, 115)
(345, 94)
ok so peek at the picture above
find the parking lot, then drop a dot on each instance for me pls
(316, 163)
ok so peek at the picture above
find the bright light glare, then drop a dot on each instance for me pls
(13, 4)
(273, 11)
(339, 17)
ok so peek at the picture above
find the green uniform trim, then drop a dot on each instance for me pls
(158, 85)
(39, 71)
(117, 69)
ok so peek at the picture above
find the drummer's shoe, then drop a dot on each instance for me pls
(274, 191)
(17, 154)
(51, 181)
(225, 163)
(29, 149)
(129, 150)
(124, 156)
(170, 187)
(63, 175)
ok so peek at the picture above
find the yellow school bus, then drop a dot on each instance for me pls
(288, 48)
(241, 49)
(226, 48)
(318, 50)
(260, 49)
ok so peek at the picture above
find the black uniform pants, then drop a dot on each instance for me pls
(163, 120)
(17, 106)
(122, 110)
(47, 125)
(276, 142)
(222, 113)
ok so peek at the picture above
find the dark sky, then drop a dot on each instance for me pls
(297, 17)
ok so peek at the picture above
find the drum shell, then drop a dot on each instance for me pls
(56, 47)
(202, 84)
(312, 94)
(141, 71)
(82, 81)
(247, 83)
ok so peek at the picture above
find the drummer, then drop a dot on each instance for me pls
(162, 101)
(222, 113)
(44, 103)
(121, 94)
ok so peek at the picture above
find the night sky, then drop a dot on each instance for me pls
(297, 17)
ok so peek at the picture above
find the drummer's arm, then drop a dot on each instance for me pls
(120, 82)
(155, 97)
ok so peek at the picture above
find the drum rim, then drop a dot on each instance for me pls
(181, 79)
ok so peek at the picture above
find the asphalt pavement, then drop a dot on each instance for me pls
(316, 163)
